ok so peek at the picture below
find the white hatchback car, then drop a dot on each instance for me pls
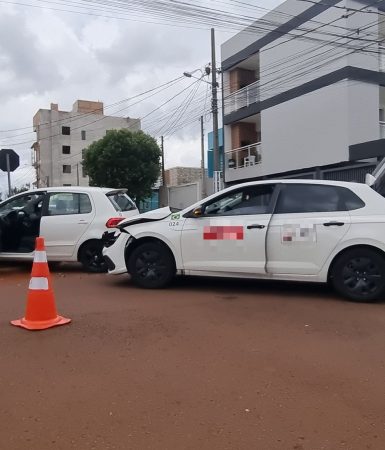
(71, 220)
(303, 230)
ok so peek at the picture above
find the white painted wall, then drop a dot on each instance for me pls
(289, 62)
(269, 22)
(367, 24)
(311, 130)
(363, 112)
(182, 196)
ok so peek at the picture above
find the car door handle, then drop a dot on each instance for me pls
(83, 222)
(334, 224)
(255, 225)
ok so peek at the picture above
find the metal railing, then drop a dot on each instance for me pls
(241, 98)
(246, 156)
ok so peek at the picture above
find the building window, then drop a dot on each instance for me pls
(66, 149)
(83, 133)
(66, 131)
(66, 168)
(67, 184)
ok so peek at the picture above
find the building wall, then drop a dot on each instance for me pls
(311, 130)
(177, 176)
(240, 78)
(243, 133)
(363, 112)
(314, 129)
(250, 35)
(83, 118)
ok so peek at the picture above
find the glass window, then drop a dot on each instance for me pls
(352, 201)
(309, 198)
(64, 203)
(66, 149)
(22, 201)
(85, 206)
(121, 201)
(66, 131)
(249, 200)
(83, 133)
(66, 168)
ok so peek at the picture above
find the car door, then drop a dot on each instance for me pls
(229, 235)
(19, 222)
(308, 222)
(66, 217)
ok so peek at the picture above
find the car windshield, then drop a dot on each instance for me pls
(121, 201)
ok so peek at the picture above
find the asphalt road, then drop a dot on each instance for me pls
(206, 364)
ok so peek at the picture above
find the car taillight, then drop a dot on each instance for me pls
(111, 223)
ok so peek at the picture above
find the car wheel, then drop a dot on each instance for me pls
(91, 257)
(151, 265)
(359, 274)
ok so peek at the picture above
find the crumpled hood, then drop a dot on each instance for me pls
(150, 216)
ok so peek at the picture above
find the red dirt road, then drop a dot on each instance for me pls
(206, 364)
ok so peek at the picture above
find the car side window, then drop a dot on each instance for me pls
(64, 203)
(246, 201)
(309, 198)
(21, 202)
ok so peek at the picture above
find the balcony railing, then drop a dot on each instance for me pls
(382, 130)
(241, 98)
(246, 156)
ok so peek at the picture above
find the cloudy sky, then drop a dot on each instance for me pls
(47, 55)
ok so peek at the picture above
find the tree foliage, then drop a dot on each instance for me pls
(124, 159)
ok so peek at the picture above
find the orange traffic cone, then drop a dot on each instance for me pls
(41, 311)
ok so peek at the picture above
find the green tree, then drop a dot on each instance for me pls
(124, 159)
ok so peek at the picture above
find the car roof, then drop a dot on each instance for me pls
(303, 181)
(73, 189)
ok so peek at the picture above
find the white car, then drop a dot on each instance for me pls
(302, 230)
(71, 220)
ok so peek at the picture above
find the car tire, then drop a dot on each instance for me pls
(91, 256)
(151, 265)
(359, 275)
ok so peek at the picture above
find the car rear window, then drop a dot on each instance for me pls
(121, 201)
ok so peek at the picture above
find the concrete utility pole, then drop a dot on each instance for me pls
(77, 174)
(162, 149)
(203, 190)
(214, 86)
(163, 192)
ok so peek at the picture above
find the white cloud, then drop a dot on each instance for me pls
(49, 56)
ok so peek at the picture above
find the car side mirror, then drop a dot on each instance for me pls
(197, 212)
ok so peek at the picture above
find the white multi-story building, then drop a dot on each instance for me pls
(62, 137)
(304, 92)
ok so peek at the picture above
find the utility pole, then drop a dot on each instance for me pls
(163, 192)
(203, 190)
(77, 173)
(214, 101)
(162, 149)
